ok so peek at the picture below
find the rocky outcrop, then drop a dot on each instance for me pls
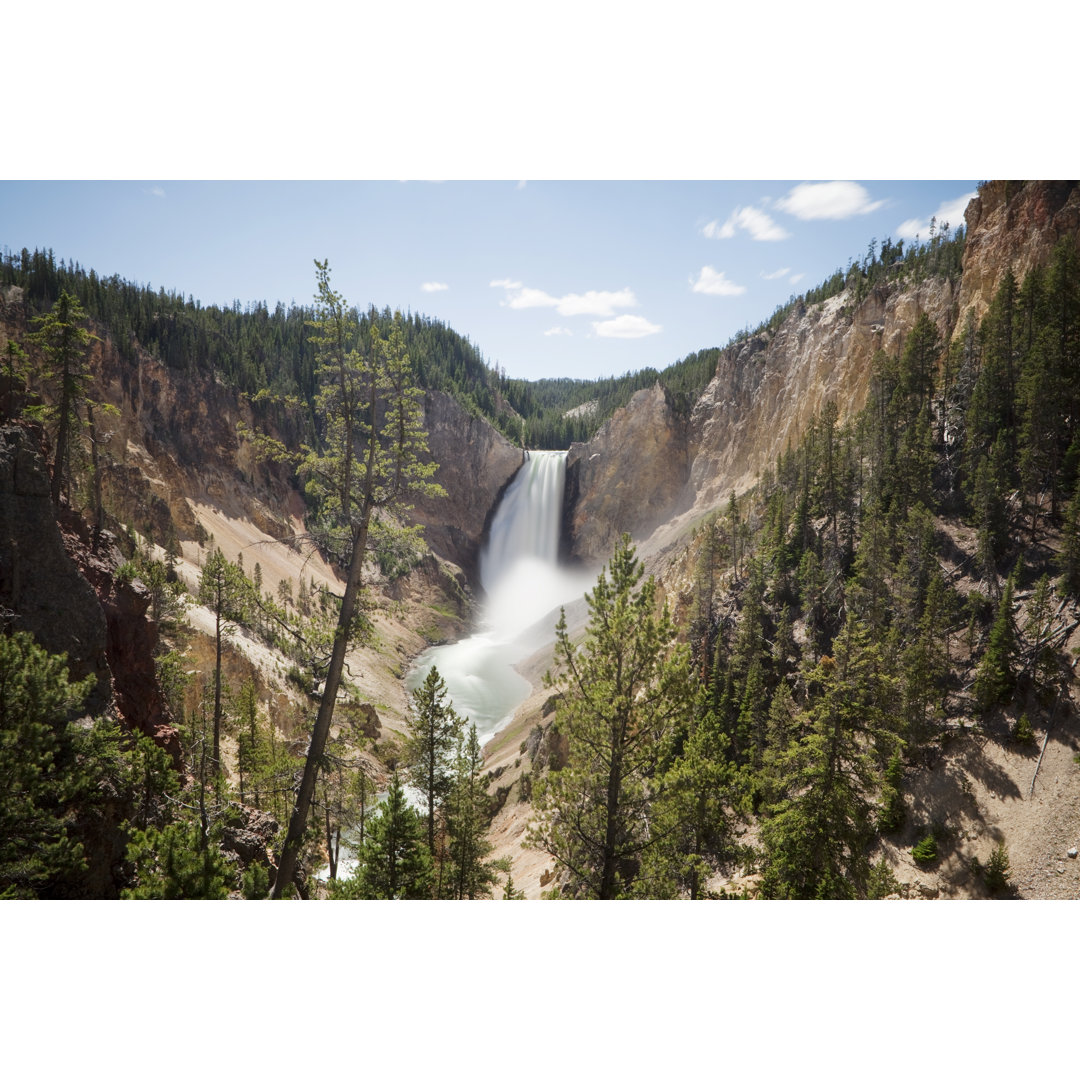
(173, 441)
(1013, 223)
(476, 463)
(628, 478)
(651, 472)
(767, 391)
(66, 595)
(40, 586)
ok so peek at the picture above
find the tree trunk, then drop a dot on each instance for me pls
(298, 820)
(217, 687)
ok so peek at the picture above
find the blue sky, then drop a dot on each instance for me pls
(547, 278)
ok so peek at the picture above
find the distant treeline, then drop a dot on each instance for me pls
(258, 349)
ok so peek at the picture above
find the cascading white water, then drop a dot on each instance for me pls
(524, 586)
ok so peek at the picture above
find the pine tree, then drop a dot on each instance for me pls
(995, 679)
(815, 838)
(466, 823)
(698, 802)
(621, 691)
(64, 341)
(394, 863)
(432, 730)
(369, 459)
(38, 852)
(173, 863)
(224, 589)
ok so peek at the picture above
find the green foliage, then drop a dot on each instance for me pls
(622, 691)
(891, 814)
(995, 680)
(177, 862)
(996, 874)
(881, 882)
(432, 731)
(466, 813)
(39, 770)
(255, 883)
(1023, 733)
(394, 862)
(815, 838)
(63, 342)
(925, 851)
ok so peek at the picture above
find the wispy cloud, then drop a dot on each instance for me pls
(558, 330)
(158, 191)
(715, 283)
(951, 213)
(521, 185)
(434, 286)
(593, 302)
(833, 200)
(776, 273)
(796, 278)
(749, 219)
(626, 326)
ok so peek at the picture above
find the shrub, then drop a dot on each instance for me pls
(997, 874)
(882, 881)
(925, 851)
(1023, 732)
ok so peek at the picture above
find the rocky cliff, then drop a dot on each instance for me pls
(651, 472)
(476, 463)
(629, 477)
(647, 465)
(1013, 224)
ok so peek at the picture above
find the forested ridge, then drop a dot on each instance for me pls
(269, 351)
(890, 585)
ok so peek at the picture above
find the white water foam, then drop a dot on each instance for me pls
(524, 586)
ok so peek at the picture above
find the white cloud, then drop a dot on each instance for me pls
(529, 298)
(715, 283)
(951, 212)
(626, 326)
(158, 191)
(833, 200)
(593, 302)
(521, 185)
(434, 286)
(796, 278)
(558, 330)
(756, 222)
(776, 273)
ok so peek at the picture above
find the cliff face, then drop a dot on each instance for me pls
(476, 463)
(174, 442)
(171, 450)
(651, 473)
(628, 478)
(646, 465)
(1015, 225)
(39, 584)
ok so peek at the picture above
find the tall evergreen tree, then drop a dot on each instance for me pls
(621, 691)
(369, 460)
(64, 340)
(394, 863)
(815, 838)
(432, 730)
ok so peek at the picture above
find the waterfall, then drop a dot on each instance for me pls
(524, 587)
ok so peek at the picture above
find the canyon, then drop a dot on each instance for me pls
(179, 468)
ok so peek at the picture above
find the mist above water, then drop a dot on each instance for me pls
(524, 588)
